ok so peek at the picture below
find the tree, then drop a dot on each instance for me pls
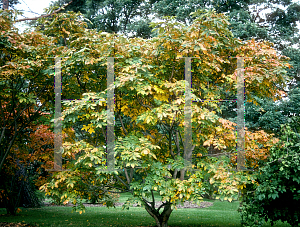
(9, 3)
(247, 20)
(26, 91)
(24, 169)
(149, 99)
(270, 116)
(114, 16)
(275, 194)
(25, 83)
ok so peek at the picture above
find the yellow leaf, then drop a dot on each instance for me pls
(85, 127)
(218, 129)
(207, 143)
(80, 212)
(91, 130)
(230, 199)
(148, 119)
(145, 151)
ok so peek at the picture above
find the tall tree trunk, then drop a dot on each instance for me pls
(161, 219)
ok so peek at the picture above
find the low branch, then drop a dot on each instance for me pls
(45, 15)
(123, 127)
(126, 185)
(162, 205)
(127, 177)
(153, 199)
(142, 104)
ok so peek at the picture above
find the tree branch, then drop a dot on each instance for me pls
(45, 15)
(126, 185)
(127, 177)
(142, 104)
(123, 127)
(153, 200)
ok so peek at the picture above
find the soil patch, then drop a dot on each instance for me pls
(186, 204)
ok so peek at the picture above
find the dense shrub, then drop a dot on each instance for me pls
(276, 193)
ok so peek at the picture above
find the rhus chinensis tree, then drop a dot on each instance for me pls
(149, 113)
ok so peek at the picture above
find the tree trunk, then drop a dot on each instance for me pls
(161, 219)
(11, 200)
(5, 4)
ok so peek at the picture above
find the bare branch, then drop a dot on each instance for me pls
(142, 104)
(126, 185)
(45, 15)
(170, 144)
(127, 177)
(104, 133)
(123, 127)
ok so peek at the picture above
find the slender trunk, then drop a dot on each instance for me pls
(182, 174)
(4, 156)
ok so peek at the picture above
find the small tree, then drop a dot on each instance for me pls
(149, 99)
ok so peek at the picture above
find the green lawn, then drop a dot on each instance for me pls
(220, 214)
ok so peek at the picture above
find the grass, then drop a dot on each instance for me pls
(221, 214)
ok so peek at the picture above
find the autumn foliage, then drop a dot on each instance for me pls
(149, 113)
(149, 110)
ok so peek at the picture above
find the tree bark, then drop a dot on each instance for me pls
(5, 4)
(44, 15)
(161, 219)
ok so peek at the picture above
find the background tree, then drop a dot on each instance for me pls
(24, 169)
(149, 97)
(130, 17)
(271, 116)
(11, 3)
(26, 85)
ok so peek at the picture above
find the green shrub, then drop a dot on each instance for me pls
(276, 193)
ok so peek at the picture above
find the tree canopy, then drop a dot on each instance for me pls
(275, 21)
(149, 102)
(149, 111)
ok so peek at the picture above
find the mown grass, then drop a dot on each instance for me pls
(221, 214)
